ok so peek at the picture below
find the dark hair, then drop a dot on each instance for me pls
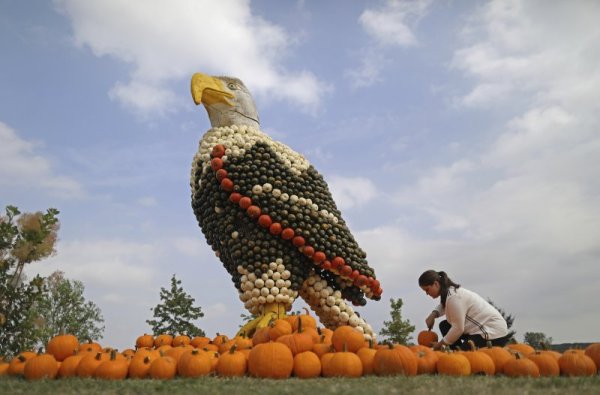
(430, 276)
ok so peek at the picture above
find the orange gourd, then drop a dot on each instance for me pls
(232, 363)
(270, 360)
(62, 346)
(347, 336)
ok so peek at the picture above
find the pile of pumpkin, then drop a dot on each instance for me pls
(290, 346)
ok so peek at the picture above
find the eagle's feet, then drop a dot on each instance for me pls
(271, 312)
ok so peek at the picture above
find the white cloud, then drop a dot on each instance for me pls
(164, 42)
(351, 191)
(22, 167)
(106, 264)
(392, 24)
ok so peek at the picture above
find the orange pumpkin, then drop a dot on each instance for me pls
(181, 340)
(523, 348)
(366, 355)
(519, 366)
(426, 338)
(139, 367)
(89, 346)
(279, 328)
(68, 367)
(498, 354)
(546, 363)
(307, 365)
(145, 340)
(3, 368)
(199, 341)
(308, 321)
(163, 340)
(393, 360)
(194, 363)
(62, 346)
(480, 362)
(163, 368)
(89, 363)
(261, 336)
(42, 366)
(17, 364)
(322, 348)
(232, 363)
(115, 368)
(271, 360)
(220, 339)
(344, 364)
(453, 364)
(574, 363)
(299, 341)
(348, 336)
(426, 361)
(177, 352)
(593, 351)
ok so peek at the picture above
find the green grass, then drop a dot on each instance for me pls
(322, 386)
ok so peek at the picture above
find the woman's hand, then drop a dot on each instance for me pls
(438, 345)
(430, 320)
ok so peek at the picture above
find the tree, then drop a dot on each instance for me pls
(63, 309)
(24, 238)
(509, 318)
(537, 340)
(176, 312)
(397, 330)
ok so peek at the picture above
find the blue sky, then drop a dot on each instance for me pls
(459, 136)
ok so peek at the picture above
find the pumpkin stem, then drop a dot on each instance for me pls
(390, 345)
(489, 344)
(232, 349)
(40, 351)
(306, 309)
(113, 354)
(472, 345)
(98, 356)
(21, 358)
(146, 360)
(371, 343)
(299, 324)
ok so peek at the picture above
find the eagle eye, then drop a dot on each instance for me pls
(232, 86)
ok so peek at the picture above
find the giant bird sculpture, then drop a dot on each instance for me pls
(270, 218)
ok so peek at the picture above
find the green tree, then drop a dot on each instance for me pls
(176, 312)
(397, 330)
(24, 238)
(63, 309)
(509, 318)
(537, 340)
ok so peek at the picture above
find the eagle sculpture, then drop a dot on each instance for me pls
(270, 218)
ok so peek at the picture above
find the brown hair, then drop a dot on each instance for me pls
(430, 276)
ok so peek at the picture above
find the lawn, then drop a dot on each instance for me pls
(322, 386)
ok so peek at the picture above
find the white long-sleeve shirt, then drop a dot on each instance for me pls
(469, 313)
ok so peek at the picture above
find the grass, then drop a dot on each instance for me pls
(323, 386)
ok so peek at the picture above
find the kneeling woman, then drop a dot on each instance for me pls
(468, 315)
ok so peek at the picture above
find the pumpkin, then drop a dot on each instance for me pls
(593, 351)
(232, 363)
(366, 355)
(546, 363)
(139, 367)
(89, 363)
(519, 366)
(308, 321)
(261, 336)
(242, 342)
(89, 346)
(328, 333)
(42, 366)
(17, 364)
(325, 359)
(4, 368)
(181, 340)
(299, 341)
(68, 367)
(480, 362)
(574, 363)
(62, 346)
(344, 364)
(347, 336)
(279, 327)
(163, 340)
(394, 360)
(498, 354)
(144, 340)
(426, 361)
(426, 338)
(307, 365)
(453, 364)
(523, 348)
(114, 368)
(163, 368)
(271, 360)
(194, 363)
(322, 348)
(128, 353)
(220, 339)
(199, 341)
(177, 352)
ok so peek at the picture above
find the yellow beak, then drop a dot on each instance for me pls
(209, 90)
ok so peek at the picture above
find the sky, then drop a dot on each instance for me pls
(454, 135)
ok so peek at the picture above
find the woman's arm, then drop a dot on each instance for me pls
(456, 312)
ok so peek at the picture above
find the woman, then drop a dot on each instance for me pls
(468, 315)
